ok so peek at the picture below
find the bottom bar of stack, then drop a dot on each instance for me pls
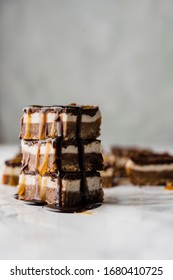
(67, 191)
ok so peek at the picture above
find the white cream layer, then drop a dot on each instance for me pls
(33, 149)
(50, 117)
(67, 185)
(150, 167)
(71, 185)
(93, 147)
(93, 184)
(13, 171)
(31, 180)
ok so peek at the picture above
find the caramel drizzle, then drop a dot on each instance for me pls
(42, 126)
(28, 125)
(59, 190)
(38, 181)
(43, 168)
(21, 190)
(11, 176)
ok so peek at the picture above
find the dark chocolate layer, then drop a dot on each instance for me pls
(72, 108)
(87, 131)
(154, 158)
(128, 152)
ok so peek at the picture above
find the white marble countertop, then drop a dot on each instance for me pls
(133, 223)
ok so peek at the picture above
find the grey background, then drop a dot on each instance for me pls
(117, 54)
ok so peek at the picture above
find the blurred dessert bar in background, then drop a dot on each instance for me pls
(150, 169)
(11, 170)
(114, 172)
(122, 154)
(108, 172)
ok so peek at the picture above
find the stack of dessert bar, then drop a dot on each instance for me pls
(61, 155)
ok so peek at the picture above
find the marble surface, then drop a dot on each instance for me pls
(133, 223)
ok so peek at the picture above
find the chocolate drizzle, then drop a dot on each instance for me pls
(79, 209)
(28, 124)
(83, 186)
(59, 164)
(35, 202)
(43, 123)
(58, 122)
(25, 162)
(16, 196)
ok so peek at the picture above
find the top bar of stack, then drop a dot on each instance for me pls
(68, 122)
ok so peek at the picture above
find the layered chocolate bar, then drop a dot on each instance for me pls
(150, 169)
(68, 122)
(54, 155)
(11, 170)
(108, 172)
(122, 154)
(68, 190)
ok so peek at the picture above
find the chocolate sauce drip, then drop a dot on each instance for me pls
(28, 124)
(42, 126)
(81, 155)
(88, 110)
(79, 209)
(58, 120)
(59, 164)
(25, 162)
(35, 202)
(59, 191)
(21, 125)
(16, 196)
